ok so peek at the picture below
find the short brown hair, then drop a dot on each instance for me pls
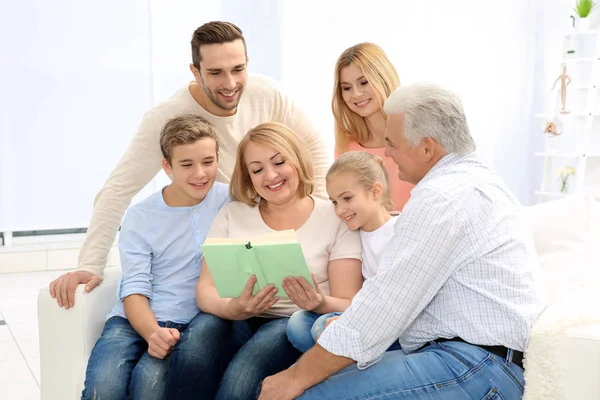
(215, 32)
(282, 139)
(185, 129)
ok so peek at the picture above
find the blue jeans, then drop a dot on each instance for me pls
(120, 366)
(227, 359)
(265, 352)
(305, 327)
(200, 358)
(444, 371)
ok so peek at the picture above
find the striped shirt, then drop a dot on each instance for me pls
(461, 263)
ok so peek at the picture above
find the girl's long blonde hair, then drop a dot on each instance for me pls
(381, 75)
(369, 169)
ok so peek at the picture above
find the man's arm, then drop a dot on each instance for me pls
(313, 367)
(137, 167)
(427, 246)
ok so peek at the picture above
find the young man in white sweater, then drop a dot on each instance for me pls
(224, 94)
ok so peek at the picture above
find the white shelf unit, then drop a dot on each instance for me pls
(578, 145)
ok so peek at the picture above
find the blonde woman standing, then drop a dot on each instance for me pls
(364, 78)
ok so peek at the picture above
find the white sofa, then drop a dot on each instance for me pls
(562, 360)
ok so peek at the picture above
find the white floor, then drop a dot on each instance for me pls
(19, 338)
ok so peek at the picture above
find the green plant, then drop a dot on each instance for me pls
(583, 8)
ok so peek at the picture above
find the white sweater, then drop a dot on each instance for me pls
(262, 101)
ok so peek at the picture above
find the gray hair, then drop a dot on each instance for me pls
(434, 112)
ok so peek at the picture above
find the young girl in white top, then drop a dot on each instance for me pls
(357, 184)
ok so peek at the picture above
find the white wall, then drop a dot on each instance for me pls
(74, 87)
(485, 51)
(80, 75)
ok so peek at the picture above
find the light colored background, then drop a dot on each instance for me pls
(77, 77)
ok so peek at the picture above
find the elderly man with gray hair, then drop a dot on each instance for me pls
(460, 284)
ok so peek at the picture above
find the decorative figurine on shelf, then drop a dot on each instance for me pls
(554, 127)
(551, 128)
(564, 174)
(564, 81)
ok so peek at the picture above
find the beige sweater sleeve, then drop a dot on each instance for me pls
(137, 167)
(295, 118)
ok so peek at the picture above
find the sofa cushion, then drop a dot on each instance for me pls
(567, 238)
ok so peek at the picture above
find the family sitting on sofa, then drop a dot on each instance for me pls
(437, 302)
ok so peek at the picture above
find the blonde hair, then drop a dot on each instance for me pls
(369, 169)
(281, 139)
(185, 129)
(383, 78)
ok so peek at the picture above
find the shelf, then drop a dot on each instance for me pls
(592, 32)
(577, 115)
(551, 194)
(586, 87)
(579, 60)
(565, 155)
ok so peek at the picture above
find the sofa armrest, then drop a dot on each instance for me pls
(579, 353)
(68, 336)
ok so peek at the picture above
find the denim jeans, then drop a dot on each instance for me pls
(444, 371)
(265, 351)
(224, 359)
(305, 327)
(120, 366)
(200, 358)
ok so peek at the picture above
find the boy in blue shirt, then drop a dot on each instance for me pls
(160, 253)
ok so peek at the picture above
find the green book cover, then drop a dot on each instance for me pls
(271, 258)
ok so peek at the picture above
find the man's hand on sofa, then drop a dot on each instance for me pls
(63, 288)
(162, 341)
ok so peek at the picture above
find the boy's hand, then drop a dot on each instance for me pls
(247, 306)
(162, 341)
(302, 294)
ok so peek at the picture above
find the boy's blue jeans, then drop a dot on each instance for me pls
(304, 328)
(120, 366)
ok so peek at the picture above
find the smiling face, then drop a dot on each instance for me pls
(353, 202)
(357, 92)
(222, 76)
(413, 162)
(193, 169)
(274, 178)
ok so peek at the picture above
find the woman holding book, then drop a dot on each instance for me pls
(271, 184)
(364, 78)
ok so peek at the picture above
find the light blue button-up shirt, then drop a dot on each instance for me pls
(160, 253)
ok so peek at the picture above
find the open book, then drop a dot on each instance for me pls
(271, 258)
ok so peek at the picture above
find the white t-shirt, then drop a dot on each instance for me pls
(374, 244)
(323, 238)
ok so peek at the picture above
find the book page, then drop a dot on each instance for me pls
(287, 236)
